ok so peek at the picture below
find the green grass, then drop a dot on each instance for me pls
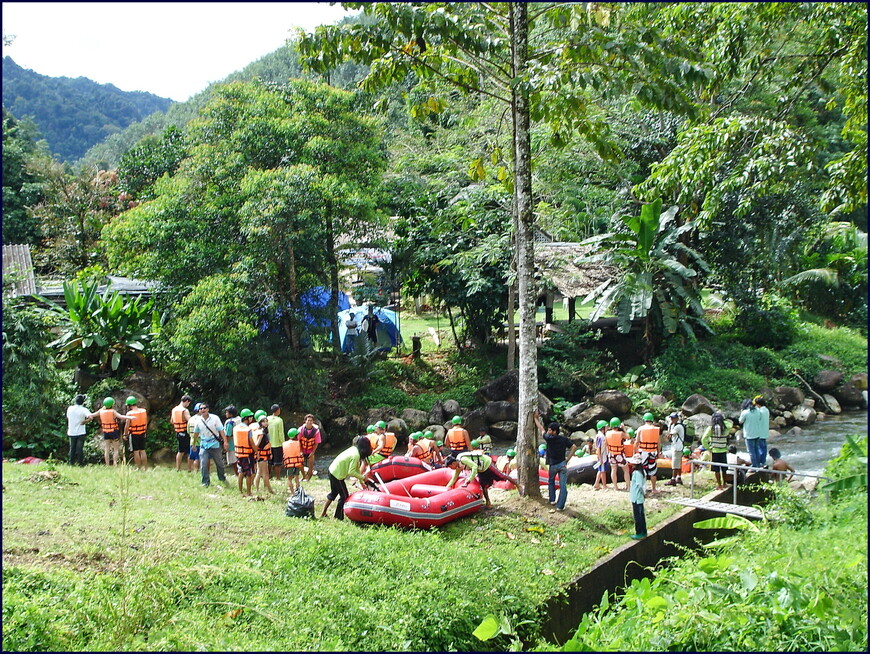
(114, 559)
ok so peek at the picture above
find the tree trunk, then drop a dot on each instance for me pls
(333, 282)
(527, 455)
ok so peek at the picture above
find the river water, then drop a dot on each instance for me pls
(808, 453)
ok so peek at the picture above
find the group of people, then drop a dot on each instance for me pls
(135, 424)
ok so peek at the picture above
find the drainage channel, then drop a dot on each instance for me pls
(562, 613)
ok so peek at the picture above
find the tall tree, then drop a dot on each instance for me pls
(547, 63)
(274, 177)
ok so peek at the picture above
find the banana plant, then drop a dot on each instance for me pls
(657, 275)
(102, 329)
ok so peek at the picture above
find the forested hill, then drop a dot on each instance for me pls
(74, 114)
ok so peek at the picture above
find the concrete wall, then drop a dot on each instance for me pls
(561, 614)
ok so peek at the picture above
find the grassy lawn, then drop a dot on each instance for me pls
(113, 559)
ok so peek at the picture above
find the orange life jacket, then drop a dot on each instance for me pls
(306, 438)
(241, 434)
(648, 438)
(264, 446)
(108, 423)
(455, 439)
(178, 421)
(614, 441)
(138, 422)
(389, 444)
(427, 445)
(292, 454)
(373, 440)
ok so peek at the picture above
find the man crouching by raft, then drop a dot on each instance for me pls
(481, 467)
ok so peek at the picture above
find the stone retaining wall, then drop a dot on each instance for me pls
(561, 614)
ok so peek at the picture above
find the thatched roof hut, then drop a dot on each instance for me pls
(557, 264)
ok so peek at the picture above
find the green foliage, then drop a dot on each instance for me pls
(21, 187)
(152, 158)
(74, 114)
(846, 345)
(656, 278)
(35, 392)
(770, 324)
(105, 329)
(848, 468)
(570, 362)
(689, 367)
(783, 587)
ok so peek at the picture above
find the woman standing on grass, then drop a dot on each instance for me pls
(264, 456)
(346, 464)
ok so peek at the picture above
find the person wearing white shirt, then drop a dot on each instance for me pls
(76, 416)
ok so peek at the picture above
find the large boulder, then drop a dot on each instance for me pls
(731, 410)
(121, 397)
(474, 420)
(437, 415)
(617, 402)
(437, 430)
(162, 457)
(156, 385)
(414, 418)
(344, 428)
(400, 428)
(504, 431)
(500, 411)
(828, 360)
(833, 406)
(696, 404)
(848, 394)
(587, 418)
(545, 405)
(794, 432)
(451, 408)
(381, 413)
(700, 421)
(789, 396)
(826, 380)
(859, 381)
(803, 415)
(658, 401)
(504, 388)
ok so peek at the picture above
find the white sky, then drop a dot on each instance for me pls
(171, 49)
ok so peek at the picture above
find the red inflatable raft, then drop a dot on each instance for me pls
(421, 501)
(398, 467)
(543, 480)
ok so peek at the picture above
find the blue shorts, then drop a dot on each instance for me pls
(111, 435)
(602, 467)
(193, 455)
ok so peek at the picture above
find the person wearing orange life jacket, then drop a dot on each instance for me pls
(457, 438)
(292, 458)
(378, 439)
(179, 417)
(135, 429)
(264, 455)
(616, 452)
(646, 446)
(309, 438)
(245, 449)
(111, 433)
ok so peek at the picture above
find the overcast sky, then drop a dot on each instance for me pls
(171, 49)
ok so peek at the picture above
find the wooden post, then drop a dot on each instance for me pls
(572, 308)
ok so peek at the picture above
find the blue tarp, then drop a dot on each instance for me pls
(386, 330)
(314, 303)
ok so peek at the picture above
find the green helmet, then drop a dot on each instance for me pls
(415, 435)
(246, 413)
(456, 420)
(428, 434)
(439, 443)
(615, 422)
(511, 452)
(648, 417)
(601, 424)
(629, 431)
(370, 429)
(259, 414)
(109, 402)
(686, 451)
(380, 424)
(475, 443)
(131, 400)
(292, 432)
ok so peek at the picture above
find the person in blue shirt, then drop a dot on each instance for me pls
(637, 495)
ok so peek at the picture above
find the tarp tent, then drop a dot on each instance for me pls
(386, 327)
(315, 305)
